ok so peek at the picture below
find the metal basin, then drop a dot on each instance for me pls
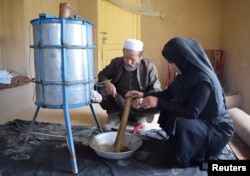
(103, 144)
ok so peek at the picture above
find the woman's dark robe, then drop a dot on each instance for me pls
(193, 108)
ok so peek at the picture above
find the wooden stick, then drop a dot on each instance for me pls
(122, 128)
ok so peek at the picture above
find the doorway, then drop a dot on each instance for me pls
(114, 26)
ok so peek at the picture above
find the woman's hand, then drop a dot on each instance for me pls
(110, 88)
(149, 102)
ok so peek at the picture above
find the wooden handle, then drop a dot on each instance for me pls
(121, 131)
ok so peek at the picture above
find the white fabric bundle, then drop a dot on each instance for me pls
(6, 77)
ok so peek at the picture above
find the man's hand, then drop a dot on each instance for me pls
(137, 98)
(134, 94)
(136, 103)
(145, 103)
(110, 88)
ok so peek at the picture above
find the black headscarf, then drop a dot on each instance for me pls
(187, 53)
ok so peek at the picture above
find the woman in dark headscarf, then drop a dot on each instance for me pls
(193, 108)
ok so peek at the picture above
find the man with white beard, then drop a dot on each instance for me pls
(130, 72)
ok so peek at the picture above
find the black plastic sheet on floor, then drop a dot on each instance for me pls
(49, 155)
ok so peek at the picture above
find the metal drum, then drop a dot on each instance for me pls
(63, 53)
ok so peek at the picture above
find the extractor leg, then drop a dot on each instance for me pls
(34, 119)
(70, 141)
(95, 118)
(32, 124)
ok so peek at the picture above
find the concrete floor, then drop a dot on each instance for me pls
(79, 116)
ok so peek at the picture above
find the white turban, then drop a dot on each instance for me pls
(133, 44)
